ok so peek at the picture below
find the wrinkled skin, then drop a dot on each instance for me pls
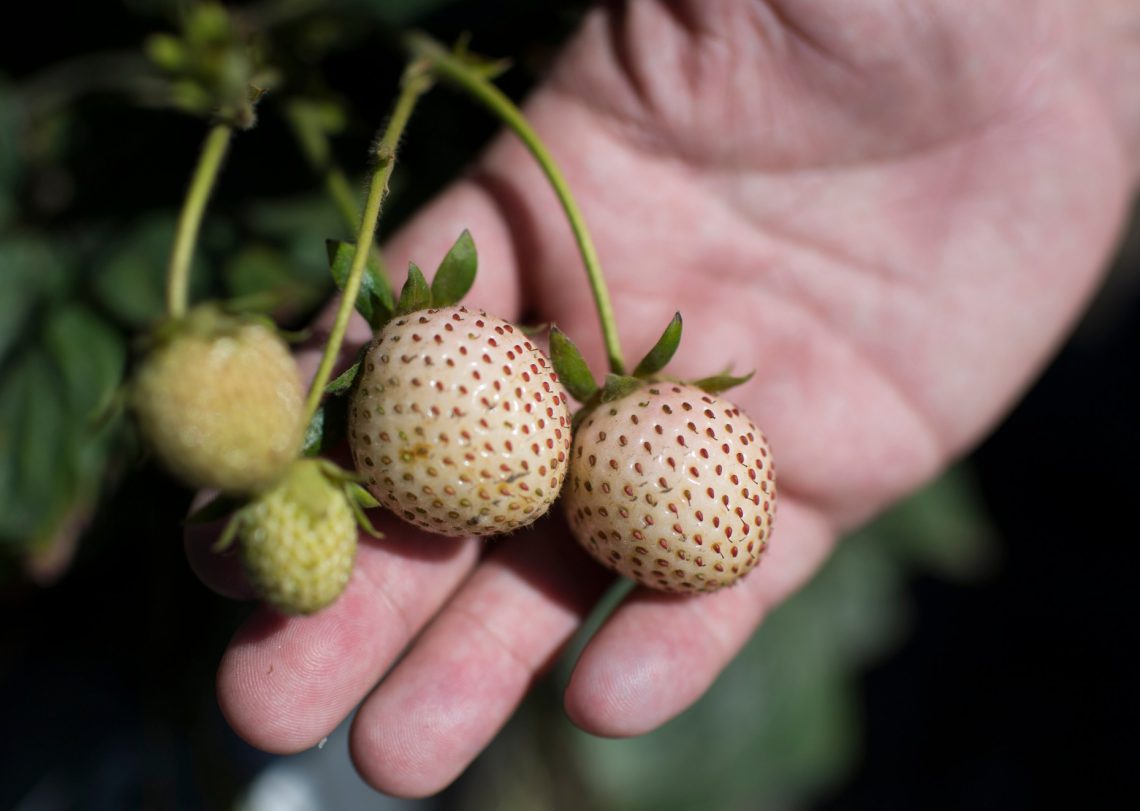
(892, 211)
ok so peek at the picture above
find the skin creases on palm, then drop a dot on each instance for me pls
(892, 211)
(876, 225)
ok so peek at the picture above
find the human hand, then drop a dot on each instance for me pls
(891, 211)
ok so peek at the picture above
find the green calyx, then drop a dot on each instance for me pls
(451, 282)
(575, 375)
(211, 319)
(375, 302)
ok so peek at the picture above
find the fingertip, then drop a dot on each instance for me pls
(390, 763)
(286, 682)
(613, 694)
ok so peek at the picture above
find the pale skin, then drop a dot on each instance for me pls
(892, 211)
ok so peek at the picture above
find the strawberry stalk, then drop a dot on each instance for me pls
(190, 220)
(473, 77)
(414, 84)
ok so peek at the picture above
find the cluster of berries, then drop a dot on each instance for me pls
(458, 423)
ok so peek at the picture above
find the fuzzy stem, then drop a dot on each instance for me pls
(454, 69)
(413, 84)
(190, 220)
(315, 144)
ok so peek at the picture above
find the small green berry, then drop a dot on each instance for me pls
(297, 540)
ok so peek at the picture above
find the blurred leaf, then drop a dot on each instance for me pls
(260, 271)
(35, 474)
(943, 527)
(130, 279)
(90, 354)
(456, 273)
(9, 151)
(309, 218)
(662, 352)
(30, 274)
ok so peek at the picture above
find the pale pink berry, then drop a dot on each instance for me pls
(458, 423)
(672, 487)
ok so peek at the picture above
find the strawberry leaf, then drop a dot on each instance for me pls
(719, 383)
(571, 367)
(618, 386)
(456, 273)
(374, 301)
(662, 351)
(415, 295)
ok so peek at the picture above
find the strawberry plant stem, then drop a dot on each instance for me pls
(413, 84)
(190, 220)
(315, 144)
(467, 76)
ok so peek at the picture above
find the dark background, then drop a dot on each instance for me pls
(971, 650)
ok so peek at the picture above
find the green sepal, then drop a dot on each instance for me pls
(226, 539)
(374, 301)
(618, 386)
(719, 383)
(362, 497)
(534, 330)
(456, 273)
(343, 382)
(415, 295)
(360, 500)
(662, 351)
(215, 509)
(571, 367)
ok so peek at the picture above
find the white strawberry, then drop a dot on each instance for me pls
(672, 487)
(458, 423)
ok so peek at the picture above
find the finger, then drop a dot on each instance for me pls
(658, 653)
(462, 681)
(286, 682)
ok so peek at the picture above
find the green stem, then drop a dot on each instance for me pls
(414, 83)
(190, 220)
(315, 144)
(454, 69)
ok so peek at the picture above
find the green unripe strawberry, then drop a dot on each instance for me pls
(220, 401)
(297, 540)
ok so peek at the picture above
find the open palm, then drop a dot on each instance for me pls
(891, 211)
